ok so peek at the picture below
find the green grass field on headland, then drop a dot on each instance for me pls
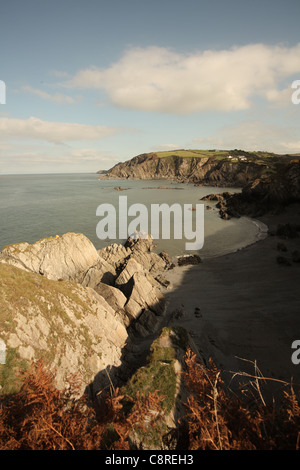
(192, 153)
(222, 154)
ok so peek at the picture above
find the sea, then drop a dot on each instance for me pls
(37, 206)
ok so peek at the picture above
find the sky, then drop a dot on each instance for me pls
(87, 84)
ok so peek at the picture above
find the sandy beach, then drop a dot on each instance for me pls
(244, 305)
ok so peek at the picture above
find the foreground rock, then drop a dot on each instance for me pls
(144, 296)
(63, 300)
(74, 329)
(61, 257)
(162, 374)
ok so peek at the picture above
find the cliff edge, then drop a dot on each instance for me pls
(235, 168)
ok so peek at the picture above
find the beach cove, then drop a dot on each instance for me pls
(244, 306)
(239, 302)
(117, 315)
(41, 206)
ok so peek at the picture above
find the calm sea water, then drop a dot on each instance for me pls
(37, 206)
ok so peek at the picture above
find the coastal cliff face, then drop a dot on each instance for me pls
(96, 316)
(210, 170)
(266, 194)
(268, 181)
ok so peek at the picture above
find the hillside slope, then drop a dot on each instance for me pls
(234, 168)
(72, 328)
(266, 194)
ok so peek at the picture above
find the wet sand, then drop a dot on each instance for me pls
(244, 305)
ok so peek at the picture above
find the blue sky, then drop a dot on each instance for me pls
(91, 83)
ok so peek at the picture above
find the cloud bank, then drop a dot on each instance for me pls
(56, 97)
(254, 135)
(157, 79)
(54, 132)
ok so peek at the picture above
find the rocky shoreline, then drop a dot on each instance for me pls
(120, 283)
(243, 307)
(268, 194)
(98, 313)
(124, 284)
(93, 313)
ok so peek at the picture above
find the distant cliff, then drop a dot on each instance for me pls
(234, 168)
(269, 193)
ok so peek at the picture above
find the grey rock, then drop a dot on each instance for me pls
(115, 254)
(112, 295)
(61, 257)
(144, 296)
(102, 271)
(132, 266)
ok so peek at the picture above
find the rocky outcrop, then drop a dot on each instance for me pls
(198, 170)
(140, 277)
(266, 194)
(74, 329)
(76, 306)
(188, 259)
(163, 373)
(144, 296)
(61, 257)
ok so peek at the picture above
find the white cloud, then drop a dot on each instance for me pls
(161, 80)
(59, 73)
(59, 98)
(92, 155)
(40, 157)
(254, 135)
(165, 147)
(55, 132)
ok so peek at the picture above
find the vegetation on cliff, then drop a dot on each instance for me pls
(61, 322)
(39, 417)
(269, 193)
(234, 168)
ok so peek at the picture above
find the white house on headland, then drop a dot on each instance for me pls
(242, 158)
